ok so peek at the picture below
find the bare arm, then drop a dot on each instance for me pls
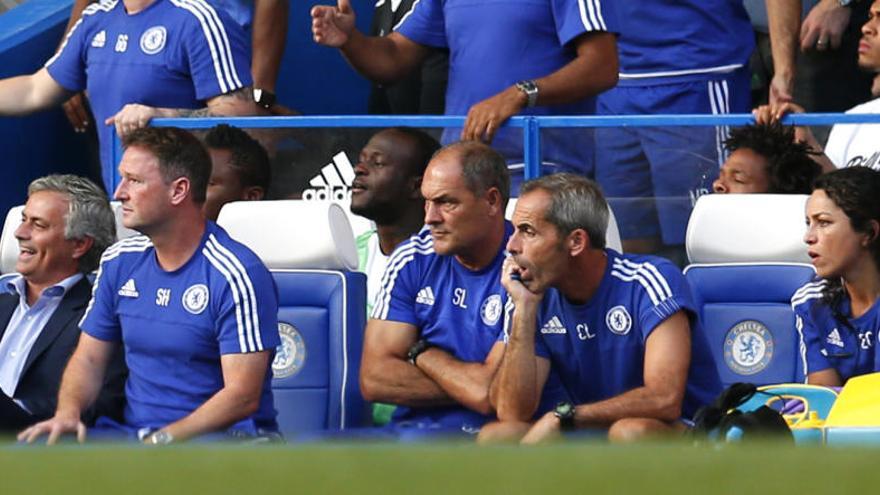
(235, 103)
(22, 95)
(75, 107)
(784, 19)
(593, 70)
(243, 376)
(466, 383)
(387, 376)
(76, 12)
(827, 377)
(268, 39)
(516, 390)
(80, 385)
(381, 59)
(667, 359)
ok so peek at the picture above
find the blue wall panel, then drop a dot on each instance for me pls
(316, 80)
(313, 80)
(42, 143)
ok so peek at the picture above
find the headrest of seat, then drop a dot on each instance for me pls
(726, 228)
(359, 224)
(612, 233)
(293, 233)
(8, 242)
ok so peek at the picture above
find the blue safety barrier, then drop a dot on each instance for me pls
(531, 125)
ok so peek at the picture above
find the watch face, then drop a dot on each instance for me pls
(264, 98)
(565, 410)
(162, 438)
(530, 89)
(527, 86)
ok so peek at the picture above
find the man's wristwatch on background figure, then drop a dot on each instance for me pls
(530, 89)
(264, 98)
(565, 412)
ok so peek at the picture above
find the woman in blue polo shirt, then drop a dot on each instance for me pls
(837, 314)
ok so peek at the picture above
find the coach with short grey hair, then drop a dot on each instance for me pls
(620, 331)
(65, 226)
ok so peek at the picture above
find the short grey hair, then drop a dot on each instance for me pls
(482, 168)
(88, 215)
(575, 203)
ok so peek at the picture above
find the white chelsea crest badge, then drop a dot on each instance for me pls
(491, 309)
(153, 40)
(618, 320)
(195, 299)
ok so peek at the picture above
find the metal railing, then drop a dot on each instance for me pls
(531, 125)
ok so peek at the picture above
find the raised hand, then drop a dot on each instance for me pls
(332, 26)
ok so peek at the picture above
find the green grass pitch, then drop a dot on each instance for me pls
(440, 468)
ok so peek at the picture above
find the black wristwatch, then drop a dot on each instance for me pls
(419, 347)
(565, 412)
(264, 98)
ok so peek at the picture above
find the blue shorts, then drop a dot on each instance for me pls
(652, 175)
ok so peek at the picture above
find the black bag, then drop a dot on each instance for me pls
(717, 419)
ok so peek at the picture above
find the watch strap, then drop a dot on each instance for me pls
(419, 347)
(564, 411)
(530, 89)
(264, 98)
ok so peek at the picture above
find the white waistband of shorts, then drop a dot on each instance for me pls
(722, 69)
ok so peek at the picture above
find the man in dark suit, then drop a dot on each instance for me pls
(66, 225)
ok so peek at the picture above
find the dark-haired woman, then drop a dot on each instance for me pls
(838, 315)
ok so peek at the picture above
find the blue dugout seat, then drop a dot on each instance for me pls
(309, 248)
(747, 257)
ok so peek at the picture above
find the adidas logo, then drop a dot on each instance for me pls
(333, 182)
(100, 40)
(554, 326)
(129, 290)
(834, 338)
(425, 296)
